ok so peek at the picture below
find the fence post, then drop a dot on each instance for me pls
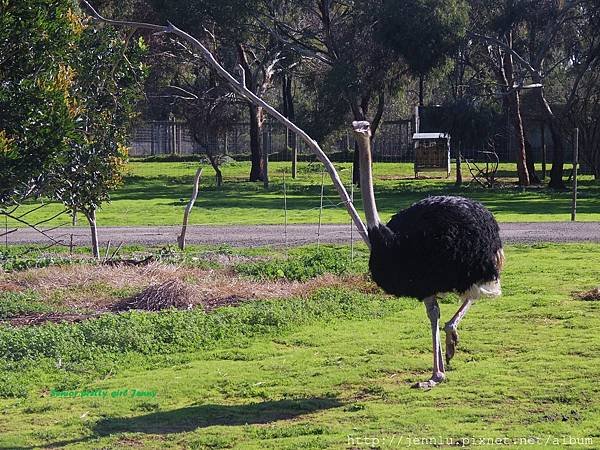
(291, 138)
(543, 150)
(575, 162)
(265, 156)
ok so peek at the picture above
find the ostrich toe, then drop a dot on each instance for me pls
(451, 342)
(435, 379)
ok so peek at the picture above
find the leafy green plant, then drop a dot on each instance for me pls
(303, 264)
(173, 330)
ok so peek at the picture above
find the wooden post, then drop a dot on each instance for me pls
(188, 209)
(575, 162)
(265, 156)
(320, 209)
(543, 150)
(294, 145)
(285, 217)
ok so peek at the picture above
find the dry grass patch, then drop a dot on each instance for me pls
(170, 294)
(158, 285)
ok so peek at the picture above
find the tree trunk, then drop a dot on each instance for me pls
(91, 217)
(215, 165)
(558, 153)
(459, 178)
(558, 158)
(514, 107)
(515, 112)
(533, 177)
(288, 112)
(256, 170)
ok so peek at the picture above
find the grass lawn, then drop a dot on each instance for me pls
(331, 369)
(155, 194)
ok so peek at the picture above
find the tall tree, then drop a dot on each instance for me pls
(350, 62)
(36, 107)
(550, 40)
(107, 84)
(234, 28)
(500, 21)
(357, 45)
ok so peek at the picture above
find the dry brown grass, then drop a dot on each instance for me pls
(8, 287)
(170, 294)
(100, 287)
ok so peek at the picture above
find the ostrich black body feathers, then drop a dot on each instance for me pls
(439, 244)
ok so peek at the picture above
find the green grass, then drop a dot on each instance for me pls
(156, 193)
(332, 371)
(304, 263)
(19, 303)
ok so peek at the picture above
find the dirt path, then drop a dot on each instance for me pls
(258, 235)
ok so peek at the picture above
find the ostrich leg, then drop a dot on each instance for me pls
(433, 312)
(451, 329)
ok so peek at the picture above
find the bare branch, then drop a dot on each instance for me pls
(253, 98)
(8, 232)
(180, 89)
(505, 47)
(296, 46)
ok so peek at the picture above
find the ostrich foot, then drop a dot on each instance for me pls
(435, 379)
(451, 342)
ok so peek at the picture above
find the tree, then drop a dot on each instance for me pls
(108, 82)
(584, 113)
(362, 50)
(501, 21)
(551, 40)
(234, 30)
(352, 70)
(181, 85)
(36, 105)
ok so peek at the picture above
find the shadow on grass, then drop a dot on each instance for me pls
(202, 416)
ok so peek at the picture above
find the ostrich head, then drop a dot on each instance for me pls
(362, 133)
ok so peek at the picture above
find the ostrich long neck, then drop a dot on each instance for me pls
(366, 179)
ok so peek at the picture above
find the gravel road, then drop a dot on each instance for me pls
(259, 235)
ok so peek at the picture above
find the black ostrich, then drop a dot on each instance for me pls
(439, 244)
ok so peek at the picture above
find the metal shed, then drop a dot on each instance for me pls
(432, 152)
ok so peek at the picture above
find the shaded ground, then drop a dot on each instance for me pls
(277, 235)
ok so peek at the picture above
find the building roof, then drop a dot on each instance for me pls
(431, 136)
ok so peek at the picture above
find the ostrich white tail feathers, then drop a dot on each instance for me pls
(488, 288)
(484, 289)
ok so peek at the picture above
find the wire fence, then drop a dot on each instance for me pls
(393, 141)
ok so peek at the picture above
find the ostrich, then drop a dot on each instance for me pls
(439, 244)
